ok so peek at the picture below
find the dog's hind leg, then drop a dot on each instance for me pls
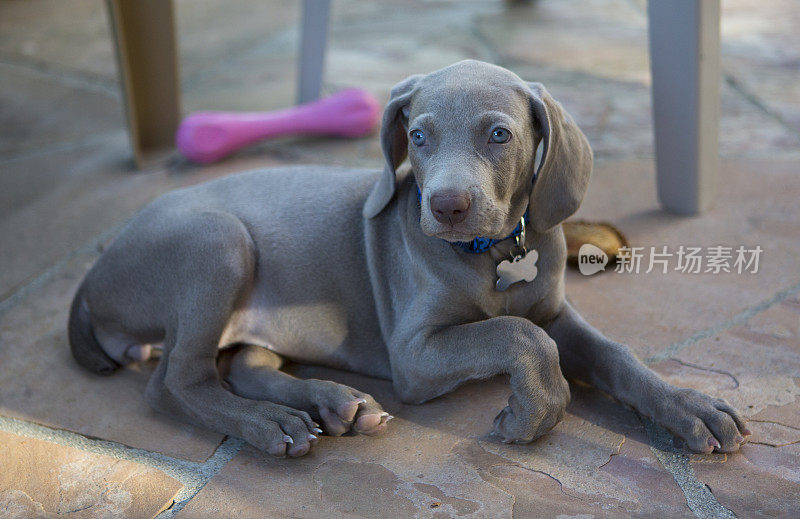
(213, 271)
(253, 372)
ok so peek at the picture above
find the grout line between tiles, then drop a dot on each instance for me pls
(740, 318)
(15, 296)
(752, 98)
(699, 498)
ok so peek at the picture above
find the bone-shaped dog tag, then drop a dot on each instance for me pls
(521, 268)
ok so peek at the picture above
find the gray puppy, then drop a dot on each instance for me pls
(392, 274)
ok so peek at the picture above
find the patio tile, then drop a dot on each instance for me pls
(42, 480)
(774, 434)
(249, 83)
(367, 50)
(70, 37)
(605, 38)
(253, 68)
(761, 53)
(53, 202)
(637, 467)
(749, 490)
(783, 462)
(213, 35)
(788, 414)
(40, 111)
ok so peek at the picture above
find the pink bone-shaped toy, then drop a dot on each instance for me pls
(207, 137)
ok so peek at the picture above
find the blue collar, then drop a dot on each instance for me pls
(480, 244)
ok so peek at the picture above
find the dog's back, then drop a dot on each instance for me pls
(310, 295)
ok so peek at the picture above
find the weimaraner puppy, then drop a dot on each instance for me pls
(431, 275)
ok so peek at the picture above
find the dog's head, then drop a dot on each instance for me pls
(471, 131)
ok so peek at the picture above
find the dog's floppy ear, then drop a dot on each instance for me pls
(394, 143)
(566, 163)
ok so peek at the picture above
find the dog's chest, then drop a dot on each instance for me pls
(478, 290)
(520, 298)
(523, 293)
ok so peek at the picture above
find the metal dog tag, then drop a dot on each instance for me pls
(521, 268)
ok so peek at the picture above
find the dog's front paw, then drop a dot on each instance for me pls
(523, 424)
(705, 423)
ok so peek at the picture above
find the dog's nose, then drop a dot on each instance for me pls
(450, 206)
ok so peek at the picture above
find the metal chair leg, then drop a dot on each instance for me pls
(685, 65)
(314, 39)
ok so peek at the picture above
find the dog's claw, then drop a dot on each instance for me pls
(287, 439)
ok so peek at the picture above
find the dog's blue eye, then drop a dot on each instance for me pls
(417, 137)
(500, 135)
